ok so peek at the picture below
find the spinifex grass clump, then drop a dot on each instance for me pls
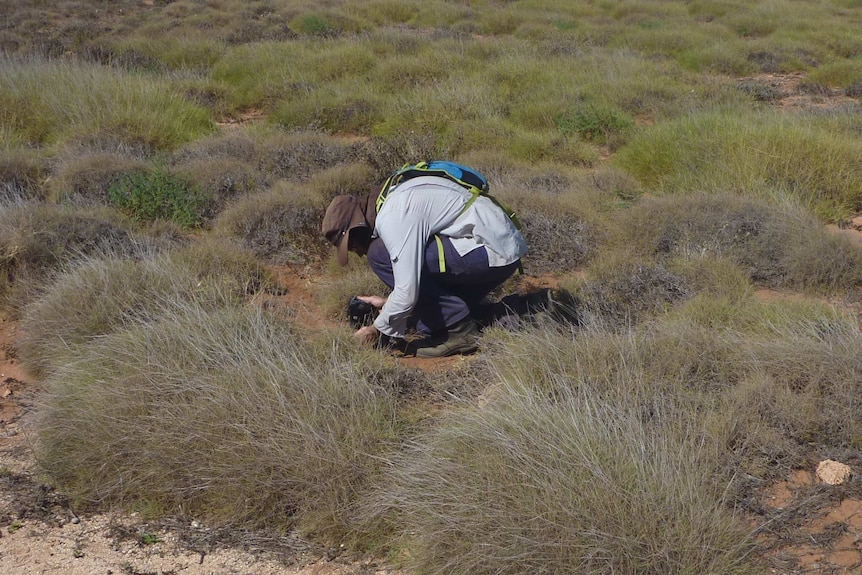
(813, 160)
(562, 482)
(111, 293)
(53, 101)
(764, 381)
(232, 416)
(37, 240)
(777, 245)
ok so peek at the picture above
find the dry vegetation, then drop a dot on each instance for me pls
(162, 162)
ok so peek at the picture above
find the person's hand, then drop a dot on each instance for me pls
(375, 300)
(367, 334)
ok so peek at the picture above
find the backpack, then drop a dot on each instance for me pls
(462, 175)
(465, 176)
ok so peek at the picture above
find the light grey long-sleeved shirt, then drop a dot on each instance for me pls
(422, 207)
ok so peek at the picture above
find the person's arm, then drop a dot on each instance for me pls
(404, 235)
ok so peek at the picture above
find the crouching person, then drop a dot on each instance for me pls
(439, 247)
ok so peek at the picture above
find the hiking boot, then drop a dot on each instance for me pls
(461, 338)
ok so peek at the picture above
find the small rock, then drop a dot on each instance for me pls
(833, 472)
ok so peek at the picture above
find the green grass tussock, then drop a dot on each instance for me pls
(48, 102)
(804, 158)
(227, 416)
(571, 483)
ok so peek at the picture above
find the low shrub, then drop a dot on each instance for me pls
(157, 194)
(21, 176)
(331, 111)
(230, 416)
(281, 225)
(87, 180)
(296, 156)
(621, 291)
(232, 145)
(218, 182)
(559, 214)
(387, 154)
(558, 242)
(762, 238)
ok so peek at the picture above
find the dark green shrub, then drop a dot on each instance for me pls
(594, 122)
(148, 196)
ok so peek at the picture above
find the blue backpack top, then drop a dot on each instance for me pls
(465, 176)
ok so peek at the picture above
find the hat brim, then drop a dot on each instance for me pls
(357, 220)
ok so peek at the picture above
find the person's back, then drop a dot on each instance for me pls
(438, 258)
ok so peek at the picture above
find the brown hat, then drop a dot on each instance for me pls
(343, 214)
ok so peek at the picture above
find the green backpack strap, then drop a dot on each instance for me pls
(408, 171)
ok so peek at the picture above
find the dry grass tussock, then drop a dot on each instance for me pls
(562, 482)
(777, 244)
(111, 293)
(37, 240)
(230, 415)
(762, 382)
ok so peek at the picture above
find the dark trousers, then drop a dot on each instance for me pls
(444, 298)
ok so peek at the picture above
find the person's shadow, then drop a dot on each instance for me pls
(516, 310)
